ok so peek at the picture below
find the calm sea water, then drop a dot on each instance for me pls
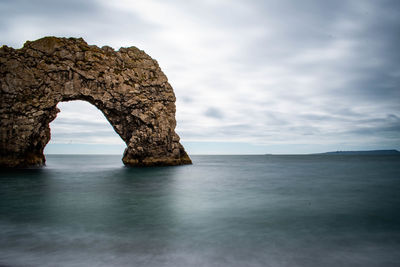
(221, 211)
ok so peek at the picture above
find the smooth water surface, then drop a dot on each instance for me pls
(314, 210)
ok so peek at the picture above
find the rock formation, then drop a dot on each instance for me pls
(127, 85)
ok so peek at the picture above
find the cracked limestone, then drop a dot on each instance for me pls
(127, 85)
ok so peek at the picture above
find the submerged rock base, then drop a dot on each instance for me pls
(127, 85)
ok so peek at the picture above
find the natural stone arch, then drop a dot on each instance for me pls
(126, 85)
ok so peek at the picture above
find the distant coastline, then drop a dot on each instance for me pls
(349, 152)
(362, 152)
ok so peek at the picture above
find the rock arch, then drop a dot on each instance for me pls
(126, 85)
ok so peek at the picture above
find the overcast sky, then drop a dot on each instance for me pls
(249, 76)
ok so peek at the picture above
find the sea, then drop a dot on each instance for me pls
(244, 210)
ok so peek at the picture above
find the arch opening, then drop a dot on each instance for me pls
(81, 128)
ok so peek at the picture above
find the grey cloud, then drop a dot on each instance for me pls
(317, 117)
(93, 20)
(187, 99)
(308, 25)
(385, 131)
(87, 135)
(78, 122)
(214, 113)
(26, 12)
(48, 8)
(295, 26)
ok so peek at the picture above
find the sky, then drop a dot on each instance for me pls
(250, 77)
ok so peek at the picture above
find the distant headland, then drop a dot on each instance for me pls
(363, 152)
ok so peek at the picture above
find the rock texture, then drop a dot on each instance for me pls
(127, 85)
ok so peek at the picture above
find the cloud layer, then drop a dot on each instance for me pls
(276, 75)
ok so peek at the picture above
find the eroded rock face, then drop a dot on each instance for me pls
(127, 85)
